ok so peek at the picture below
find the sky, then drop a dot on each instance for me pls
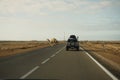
(43, 19)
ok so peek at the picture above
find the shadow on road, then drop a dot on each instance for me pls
(87, 50)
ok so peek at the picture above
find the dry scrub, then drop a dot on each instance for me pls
(8, 48)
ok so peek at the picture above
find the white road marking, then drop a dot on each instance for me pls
(60, 50)
(45, 61)
(52, 55)
(56, 52)
(30, 72)
(34, 69)
(102, 67)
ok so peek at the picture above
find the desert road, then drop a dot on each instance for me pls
(52, 63)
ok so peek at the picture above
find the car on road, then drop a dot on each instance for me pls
(72, 43)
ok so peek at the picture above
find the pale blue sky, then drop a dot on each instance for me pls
(42, 19)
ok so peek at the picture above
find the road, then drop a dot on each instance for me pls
(51, 63)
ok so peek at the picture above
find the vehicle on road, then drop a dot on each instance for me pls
(72, 43)
(73, 36)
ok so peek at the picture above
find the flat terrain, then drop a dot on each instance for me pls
(8, 48)
(106, 52)
(51, 63)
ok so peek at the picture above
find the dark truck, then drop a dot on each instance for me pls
(72, 43)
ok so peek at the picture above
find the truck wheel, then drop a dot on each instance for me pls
(77, 48)
(67, 49)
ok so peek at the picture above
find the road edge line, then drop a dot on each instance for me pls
(101, 66)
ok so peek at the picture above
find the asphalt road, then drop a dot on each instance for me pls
(51, 63)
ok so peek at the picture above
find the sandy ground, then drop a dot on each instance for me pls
(18, 47)
(106, 52)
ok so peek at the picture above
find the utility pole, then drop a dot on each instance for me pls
(64, 36)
